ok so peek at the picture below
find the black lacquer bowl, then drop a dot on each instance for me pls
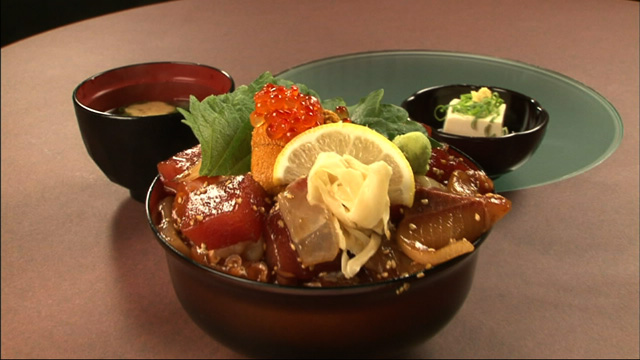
(270, 320)
(525, 118)
(128, 148)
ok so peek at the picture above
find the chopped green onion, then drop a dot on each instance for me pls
(477, 109)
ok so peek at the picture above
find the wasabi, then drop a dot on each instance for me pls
(416, 147)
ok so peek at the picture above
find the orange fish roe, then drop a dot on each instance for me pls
(285, 112)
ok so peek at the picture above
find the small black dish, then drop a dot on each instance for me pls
(525, 118)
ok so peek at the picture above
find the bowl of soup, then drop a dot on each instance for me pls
(129, 120)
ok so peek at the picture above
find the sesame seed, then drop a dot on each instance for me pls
(402, 288)
(199, 217)
(477, 216)
(424, 201)
(280, 224)
(412, 226)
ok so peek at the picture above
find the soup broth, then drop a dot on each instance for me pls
(150, 108)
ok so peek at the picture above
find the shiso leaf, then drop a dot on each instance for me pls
(388, 119)
(221, 123)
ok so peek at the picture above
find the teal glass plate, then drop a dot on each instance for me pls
(584, 128)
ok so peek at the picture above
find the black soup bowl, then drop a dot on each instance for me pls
(127, 148)
(265, 319)
(525, 118)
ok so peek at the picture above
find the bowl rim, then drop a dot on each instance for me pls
(543, 112)
(308, 290)
(151, 63)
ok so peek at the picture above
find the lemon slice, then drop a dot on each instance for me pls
(364, 144)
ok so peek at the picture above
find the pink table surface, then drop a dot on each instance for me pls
(83, 276)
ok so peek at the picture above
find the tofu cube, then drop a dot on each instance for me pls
(460, 124)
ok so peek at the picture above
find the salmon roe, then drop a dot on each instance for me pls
(285, 112)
